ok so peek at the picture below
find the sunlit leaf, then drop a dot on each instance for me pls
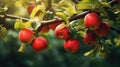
(67, 6)
(40, 10)
(106, 4)
(18, 3)
(84, 6)
(117, 41)
(27, 24)
(85, 1)
(22, 47)
(3, 32)
(70, 11)
(88, 4)
(3, 38)
(65, 3)
(3, 9)
(18, 24)
(62, 16)
(21, 3)
(89, 52)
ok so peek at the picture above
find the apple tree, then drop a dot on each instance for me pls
(91, 26)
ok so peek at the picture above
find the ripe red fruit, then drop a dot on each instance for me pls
(45, 29)
(92, 21)
(89, 38)
(62, 31)
(72, 45)
(103, 30)
(26, 35)
(30, 7)
(54, 25)
(39, 44)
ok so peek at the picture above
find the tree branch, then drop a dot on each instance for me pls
(75, 17)
(16, 17)
(43, 23)
(13, 17)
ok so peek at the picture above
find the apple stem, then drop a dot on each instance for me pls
(22, 47)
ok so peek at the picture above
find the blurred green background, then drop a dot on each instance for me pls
(54, 56)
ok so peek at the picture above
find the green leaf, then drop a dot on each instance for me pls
(67, 6)
(106, 4)
(117, 41)
(18, 24)
(84, 4)
(21, 3)
(35, 23)
(63, 17)
(49, 15)
(65, 3)
(3, 9)
(22, 47)
(3, 32)
(70, 11)
(89, 52)
(39, 9)
(18, 3)
(26, 24)
(118, 44)
(85, 1)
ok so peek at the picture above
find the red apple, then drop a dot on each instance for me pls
(62, 31)
(30, 7)
(45, 29)
(26, 35)
(103, 30)
(92, 21)
(72, 45)
(39, 44)
(54, 25)
(89, 38)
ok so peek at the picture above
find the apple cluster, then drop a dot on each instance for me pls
(70, 44)
(96, 27)
(38, 43)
